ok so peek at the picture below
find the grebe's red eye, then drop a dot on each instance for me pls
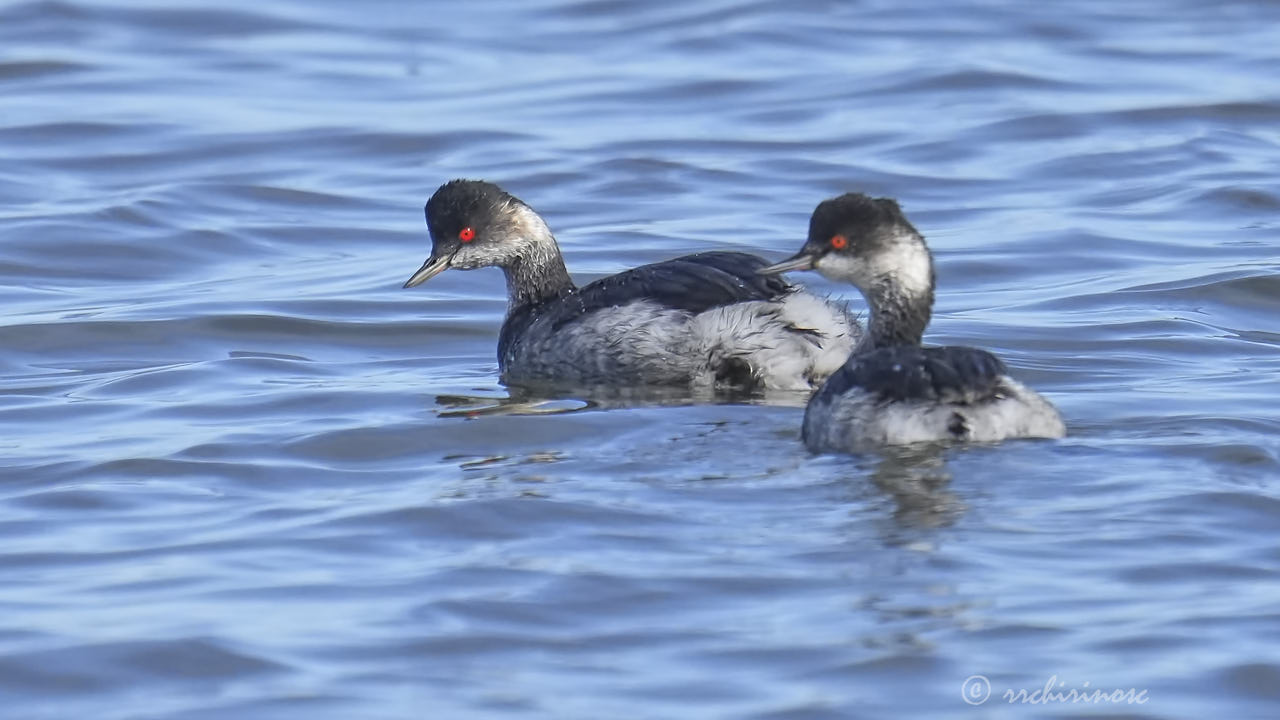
(466, 234)
(839, 242)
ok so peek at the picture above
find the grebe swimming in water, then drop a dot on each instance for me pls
(702, 320)
(893, 390)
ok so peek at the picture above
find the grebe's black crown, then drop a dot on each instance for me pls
(856, 216)
(458, 204)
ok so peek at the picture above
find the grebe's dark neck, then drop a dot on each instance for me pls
(536, 279)
(536, 273)
(898, 315)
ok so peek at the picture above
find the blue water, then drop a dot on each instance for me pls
(244, 474)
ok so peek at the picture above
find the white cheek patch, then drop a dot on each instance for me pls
(843, 268)
(905, 259)
(470, 257)
(517, 233)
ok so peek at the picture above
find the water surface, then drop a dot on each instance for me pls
(239, 475)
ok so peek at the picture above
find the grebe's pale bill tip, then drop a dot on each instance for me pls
(799, 261)
(431, 268)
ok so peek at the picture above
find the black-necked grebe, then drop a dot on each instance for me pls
(706, 319)
(892, 390)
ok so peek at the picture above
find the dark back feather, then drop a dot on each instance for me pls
(911, 372)
(694, 283)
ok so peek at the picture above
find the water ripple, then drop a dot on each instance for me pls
(242, 472)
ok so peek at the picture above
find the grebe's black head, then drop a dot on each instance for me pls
(476, 224)
(859, 239)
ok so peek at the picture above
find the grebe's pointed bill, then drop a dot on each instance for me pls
(431, 268)
(800, 261)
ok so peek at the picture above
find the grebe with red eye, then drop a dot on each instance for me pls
(700, 320)
(893, 390)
